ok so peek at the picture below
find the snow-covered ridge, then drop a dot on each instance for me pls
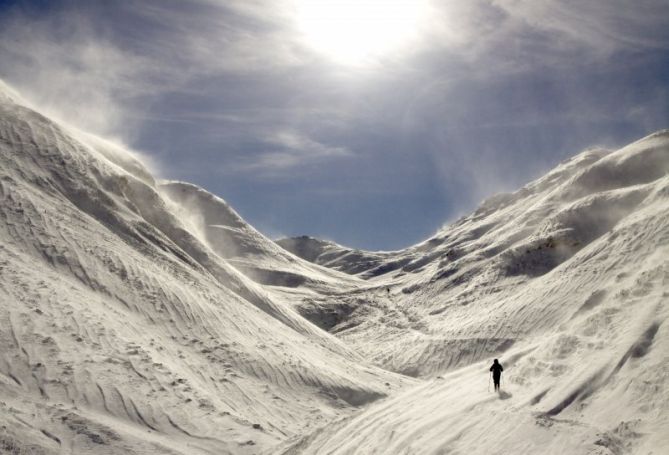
(337, 257)
(235, 240)
(566, 280)
(508, 243)
(122, 331)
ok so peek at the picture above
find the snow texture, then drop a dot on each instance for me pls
(142, 316)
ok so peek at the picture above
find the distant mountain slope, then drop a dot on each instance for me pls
(123, 331)
(443, 245)
(243, 246)
(334, 256)
(566, 280)
(510, 245)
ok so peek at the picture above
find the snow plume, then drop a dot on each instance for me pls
(67, 67)
(138, 164)
(78, 63)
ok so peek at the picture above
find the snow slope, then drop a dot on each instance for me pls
(122, 331)
(329, 254)
(147, 317)
(249, 251)
(567, 281)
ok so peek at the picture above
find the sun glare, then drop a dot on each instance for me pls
(357, 31)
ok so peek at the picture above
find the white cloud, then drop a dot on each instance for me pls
(288, 151)
(84, 69)
(604, 26)
(78, 65)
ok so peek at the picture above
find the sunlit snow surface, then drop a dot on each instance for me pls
(147, 317)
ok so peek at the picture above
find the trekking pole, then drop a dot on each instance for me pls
(489, 377)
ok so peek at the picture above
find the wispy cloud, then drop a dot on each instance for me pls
(97, 64)
(288, 151)
(604, 27)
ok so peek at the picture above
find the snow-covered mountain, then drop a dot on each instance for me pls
(142, 316)
(567, 281)
(125, 328)
(365, 264)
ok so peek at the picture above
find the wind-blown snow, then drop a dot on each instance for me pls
(329, 254)
(149, 317)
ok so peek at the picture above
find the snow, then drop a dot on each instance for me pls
(143, 316)
(122, 332)
(334, 256)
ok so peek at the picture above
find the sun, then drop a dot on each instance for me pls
(358, 31)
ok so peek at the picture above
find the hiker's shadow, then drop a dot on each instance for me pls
(504, 395)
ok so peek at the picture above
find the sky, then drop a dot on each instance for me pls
(371, 123)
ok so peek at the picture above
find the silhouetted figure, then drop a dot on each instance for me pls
(496, 369)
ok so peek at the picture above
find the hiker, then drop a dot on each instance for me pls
(496, 370)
